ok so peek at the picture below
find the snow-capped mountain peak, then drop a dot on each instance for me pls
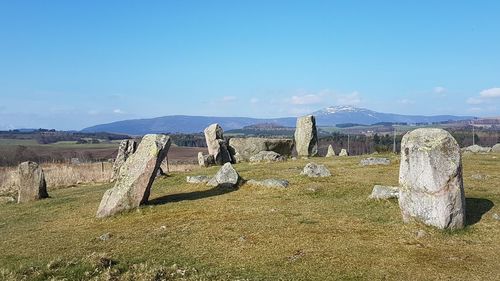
(340, 109)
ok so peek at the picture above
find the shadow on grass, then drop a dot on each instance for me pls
(475, 208)
(195, 195)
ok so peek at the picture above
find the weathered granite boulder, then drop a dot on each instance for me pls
(217, 146)
(384, 192)
(205, 160)
(197, 179)
(133, 184)
(314, 170)
(430, 178)
(343, 152)
(226, 177)
(271, 183)
(266, 156)
(306, 136)
(374, 161)
(244, 148)
(496, 148)
(331, 152)
(32, 185)
(477, 149)
(126, 148)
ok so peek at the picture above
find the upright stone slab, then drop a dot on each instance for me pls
(217, 146)
(136, 176)
(32, 185)
(430, 178)
(126, 148)
(306, 136)
(343, 152)
(331, 152)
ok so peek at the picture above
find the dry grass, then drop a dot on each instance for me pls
(318, 229)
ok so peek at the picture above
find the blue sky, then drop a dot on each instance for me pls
(72, 64)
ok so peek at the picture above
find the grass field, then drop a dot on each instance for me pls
(318, 229)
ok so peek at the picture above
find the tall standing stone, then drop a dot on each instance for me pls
(136, 176)
(343, 152)
(430, 178)
(306, 136)
(32, 185)
(331, 152)
(217, 146)
(126, 148)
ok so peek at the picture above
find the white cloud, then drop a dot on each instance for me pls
(353, 98)
(474, 100)
(490, 93)
(93, 112)
(254, 100)
(229, 98)
(475, 109)
(118, 111)
(440, 90)
(306, 99)
(406, 101)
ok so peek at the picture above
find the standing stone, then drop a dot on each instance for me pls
(205, 160)
(343, 152)
(306, 136)
(126, 148)
(496, 148)
(32, 185)
(331, 152)
(430, 178)
(374, 161)
(136, 176)
(217, 146)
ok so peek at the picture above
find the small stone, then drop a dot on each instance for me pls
(384, 192)
(105, 237)
(225, 177)
(331, 152)
(496, 216)
(343, 152)
(477, 149)
(420, 234)
(315, 170)
(272, 183)
(7, 199)
(197, 179)
(375, 161)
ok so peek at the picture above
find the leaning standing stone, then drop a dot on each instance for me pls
(430, 178)
(32, 185)
(331, 152)
(216, 144)
(306, 137)
(137, 174)
(226, 177)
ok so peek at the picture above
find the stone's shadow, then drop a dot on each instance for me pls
(195, 195)
(475, 208)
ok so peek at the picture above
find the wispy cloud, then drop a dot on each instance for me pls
(254, 100)
(229, 98)
(484, 96)
(406, 101)
(307, 99)
(118, 111)
(440, 90)
(353, 98)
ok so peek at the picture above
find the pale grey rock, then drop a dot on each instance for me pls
(205, 160)
(375, 161)
(217, 146)
(244, 148)
(314, 170)
(306, 136)
(105, 236)
(266, 156)
(421, 234)
(126, 148)
(343, 152)
(496, 148)
(430, 179)
(75, 161)
(384, 192)
(331, 152)
(271, 183)
(477, 149)
(7, 199)
(197, 179)
(32, 185)
(225, 177)
(133, 184)
(496, 216)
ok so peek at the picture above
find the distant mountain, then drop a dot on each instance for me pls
(329, 116)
